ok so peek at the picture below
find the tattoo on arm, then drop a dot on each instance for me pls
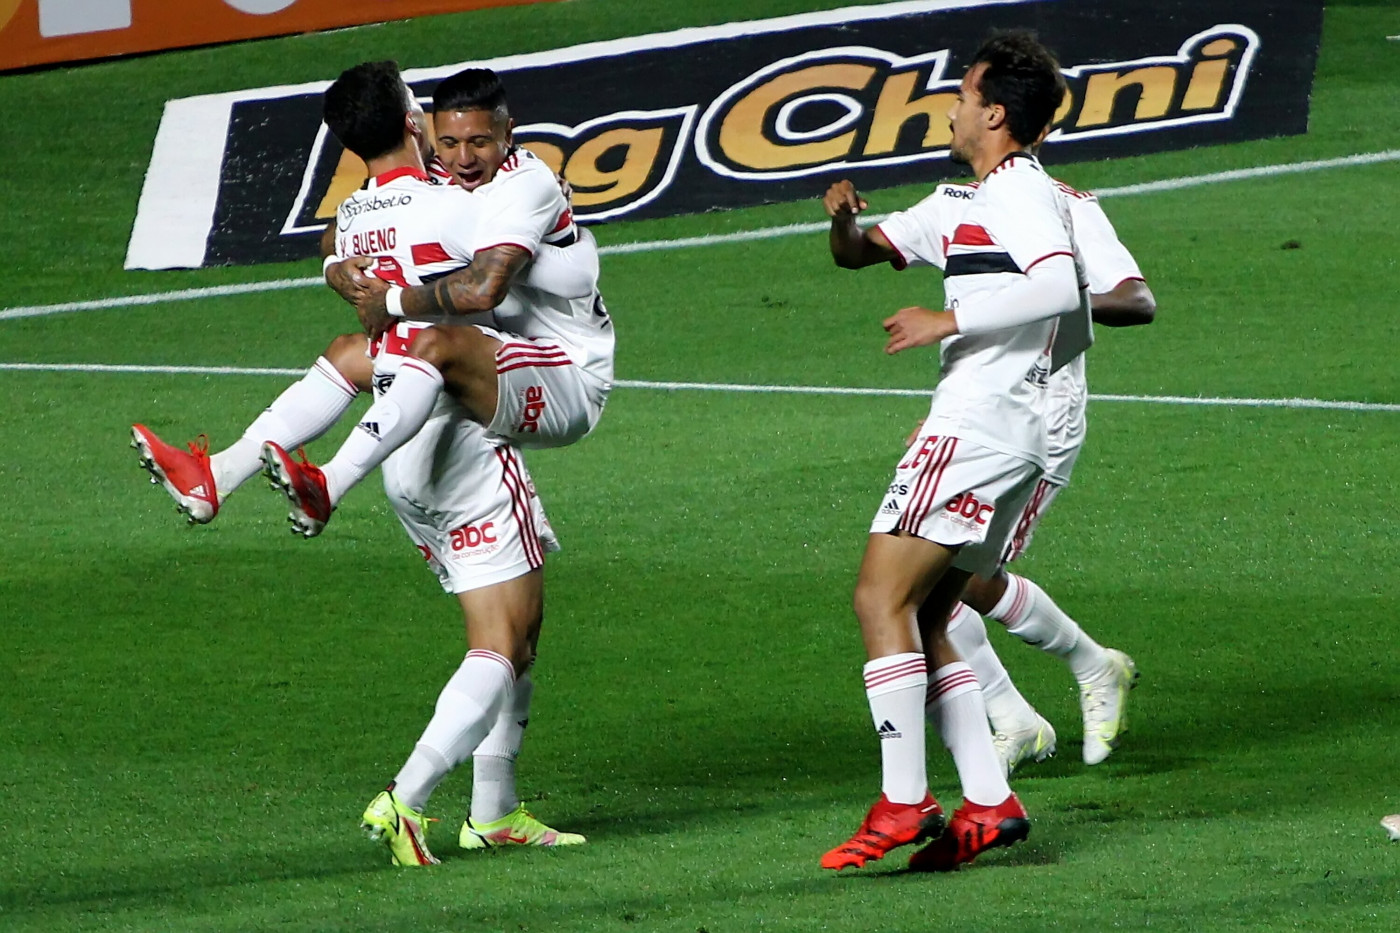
(479, 287)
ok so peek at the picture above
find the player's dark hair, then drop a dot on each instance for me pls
(365, 107)
(1023, 77)
(472, 89)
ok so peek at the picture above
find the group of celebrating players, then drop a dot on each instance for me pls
(483, 332)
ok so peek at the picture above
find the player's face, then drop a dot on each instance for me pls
(967, 116)
(472, 144)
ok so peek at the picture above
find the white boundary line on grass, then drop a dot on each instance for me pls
(646, 246)
(1312, 403)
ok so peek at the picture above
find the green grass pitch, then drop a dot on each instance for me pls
(195, 718)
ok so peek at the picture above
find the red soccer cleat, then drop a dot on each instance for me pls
(887, 826)
(973, 830)
(304, 485)
(185, 474)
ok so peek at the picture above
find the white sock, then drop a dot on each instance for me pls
(962, 721)
(1007, 710)
(466, 710)
(493, 762)
(1034, 618)
(385, 427)
(302, 413)
(895, 687)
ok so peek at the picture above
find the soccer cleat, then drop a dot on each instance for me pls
(1033, 744)
(517, 828)
(887, 826)
(186, 475)
(304, 486)
(973, 830)
(403, 829)
(1104, 702)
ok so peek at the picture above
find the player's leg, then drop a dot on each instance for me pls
(303, 412)
(1104, 675)
(896, 575)
(396, 416)
(1019, 733)
(995, 490)
(497, 815)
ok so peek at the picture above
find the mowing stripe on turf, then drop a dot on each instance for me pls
(647, 246)
(1315, 403)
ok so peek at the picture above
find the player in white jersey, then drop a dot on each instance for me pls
(468, 504)
(920, 236)
(539, 378)
(1011, 273)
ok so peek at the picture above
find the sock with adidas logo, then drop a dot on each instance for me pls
(895, 686)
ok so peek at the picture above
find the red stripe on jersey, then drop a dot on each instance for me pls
(565, 219)
(424, 253)
(899, 262)
(520, 506)
(406, 171)
(1063, 252)
(388, 269)
(508, 356)
(972, 235)
(536, 363)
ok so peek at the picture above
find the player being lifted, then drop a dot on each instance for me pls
(953, 505)
(467, 503)
(538, 378)
(1119, 297)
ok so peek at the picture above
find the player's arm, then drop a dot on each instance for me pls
(1130, 303)
(345, 276)
(852, 246)
(1048, 289)
(481, 286)
(567, 271)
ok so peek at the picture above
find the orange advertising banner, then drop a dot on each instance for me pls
(39, 32)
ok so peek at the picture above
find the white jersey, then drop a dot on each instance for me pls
(523, 206)
(1107, 264)
(985, 237)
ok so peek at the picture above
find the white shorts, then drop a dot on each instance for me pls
(544, 398)
(1039, 504)
(469, 505)
(958, 494)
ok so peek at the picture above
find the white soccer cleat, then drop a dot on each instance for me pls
(1104, 703)
(1035, 743)
(1391, 824)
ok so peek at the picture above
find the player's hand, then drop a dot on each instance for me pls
(918, 327)
(914, 434)
(373, 312)
(842, 200)
(348, 277)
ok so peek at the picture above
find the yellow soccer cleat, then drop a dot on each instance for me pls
(516, 828)
(403, 829)
(1104, 702)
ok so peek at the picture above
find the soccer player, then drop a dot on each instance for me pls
(1119, 297)
(951, 509)
(538, 378)
(467, 503)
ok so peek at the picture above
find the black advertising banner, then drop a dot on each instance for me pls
(754, 112)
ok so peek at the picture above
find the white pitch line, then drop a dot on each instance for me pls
(743, 236)
(1313, 403)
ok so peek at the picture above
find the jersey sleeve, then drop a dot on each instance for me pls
(916, 234)
(520, 208)
(1107, 262)
(1025, 217)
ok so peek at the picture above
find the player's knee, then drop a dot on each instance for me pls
(347, 353)
(871, 602)
(983, 593)
(433, 346)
